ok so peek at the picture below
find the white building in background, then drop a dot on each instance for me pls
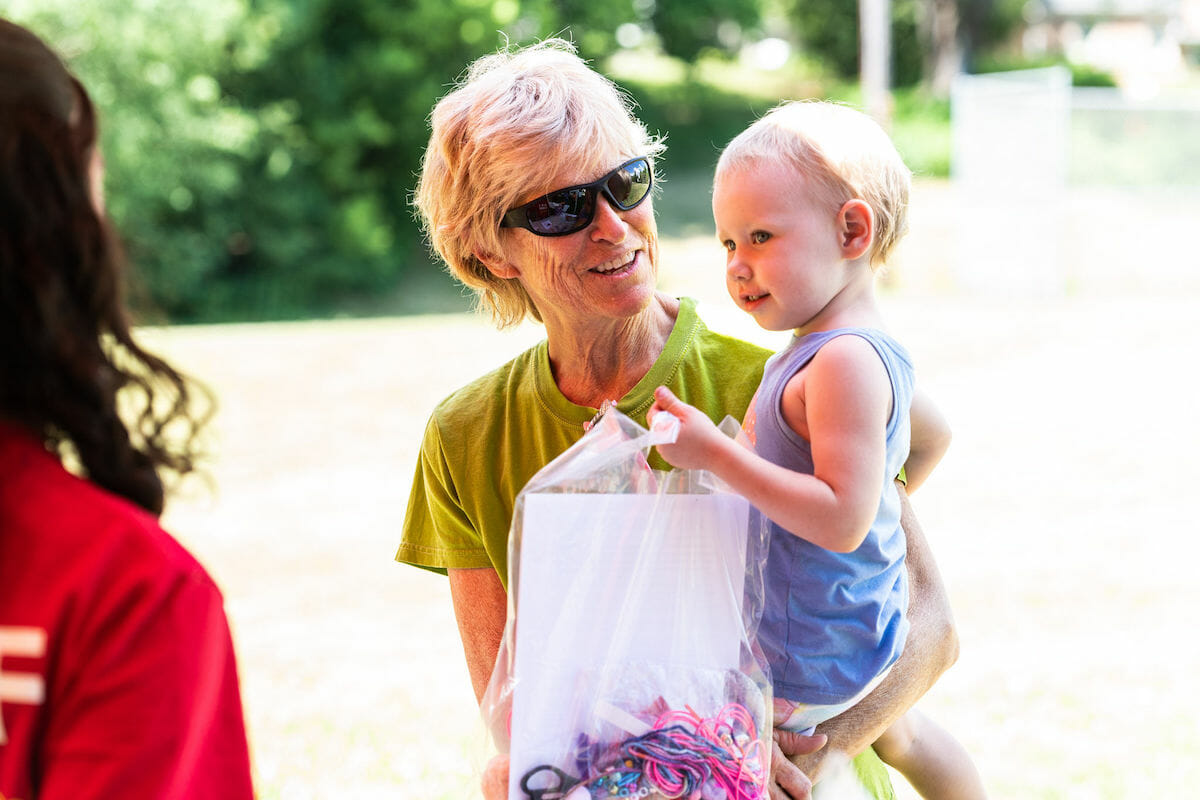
(1145, 44)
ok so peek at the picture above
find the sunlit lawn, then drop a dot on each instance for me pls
(1063, 521)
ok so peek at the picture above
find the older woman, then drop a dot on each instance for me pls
(536, 191)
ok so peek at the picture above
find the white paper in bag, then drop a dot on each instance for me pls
(697, 550)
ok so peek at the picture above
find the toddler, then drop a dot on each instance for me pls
(808, 202)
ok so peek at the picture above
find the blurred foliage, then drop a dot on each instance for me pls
(175, 148)
(686, 28)
(1081, 74)
(921, 131)
(262, 153)
(698, 120)
(342, 89)
(1087, 75)
(987, 26)
(829, 29)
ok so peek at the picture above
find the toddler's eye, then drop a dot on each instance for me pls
(758, 237)
(729, 245)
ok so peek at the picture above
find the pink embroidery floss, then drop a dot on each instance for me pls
(684, 753)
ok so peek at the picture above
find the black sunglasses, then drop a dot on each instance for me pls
(568, 210)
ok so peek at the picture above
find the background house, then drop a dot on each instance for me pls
(1145, 44)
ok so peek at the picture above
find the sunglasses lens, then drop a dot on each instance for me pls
(562, 211)
(628, 185)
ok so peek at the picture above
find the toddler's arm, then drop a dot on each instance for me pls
(840, 403)
(930, 440)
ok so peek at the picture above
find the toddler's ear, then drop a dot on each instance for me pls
(856, 229)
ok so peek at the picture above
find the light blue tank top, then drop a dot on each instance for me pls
(833, 621)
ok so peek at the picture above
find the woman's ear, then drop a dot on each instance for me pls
(856, 229)
(497, 265)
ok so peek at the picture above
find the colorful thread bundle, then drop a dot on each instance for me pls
(682, 757)
(684, 752)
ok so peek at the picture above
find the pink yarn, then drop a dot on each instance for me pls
(684, 751)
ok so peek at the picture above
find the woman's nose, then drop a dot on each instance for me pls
(608, 224)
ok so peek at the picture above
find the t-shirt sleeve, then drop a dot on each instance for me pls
(152, 710)
(438, 533)
(873, 776)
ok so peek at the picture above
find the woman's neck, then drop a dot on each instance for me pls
(606, 360)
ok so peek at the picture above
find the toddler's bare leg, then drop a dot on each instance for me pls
(930, 759)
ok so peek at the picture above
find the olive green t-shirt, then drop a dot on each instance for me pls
(485, 441)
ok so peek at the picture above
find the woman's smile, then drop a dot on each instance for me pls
(620, 266)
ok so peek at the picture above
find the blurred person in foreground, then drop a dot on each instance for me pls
(536, 191)
(117, 670)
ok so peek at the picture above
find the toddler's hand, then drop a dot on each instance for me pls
(698, 436)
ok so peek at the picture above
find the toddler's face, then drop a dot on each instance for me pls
(783, 259)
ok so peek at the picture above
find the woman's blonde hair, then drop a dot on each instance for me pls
(515, 120)
(843, 152)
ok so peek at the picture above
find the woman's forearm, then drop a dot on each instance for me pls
(481, 608)
(930, 439)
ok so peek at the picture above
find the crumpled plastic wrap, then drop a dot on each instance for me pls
(628, 666)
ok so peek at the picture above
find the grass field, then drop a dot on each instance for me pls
(1063, 517)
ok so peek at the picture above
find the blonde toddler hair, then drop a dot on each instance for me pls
(843, 152)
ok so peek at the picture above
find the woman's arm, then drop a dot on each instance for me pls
(481, 608)
(931, 648)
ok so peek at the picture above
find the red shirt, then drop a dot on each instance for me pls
(117, 671)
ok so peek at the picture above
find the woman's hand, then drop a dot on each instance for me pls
(494, 783)
(787, 781)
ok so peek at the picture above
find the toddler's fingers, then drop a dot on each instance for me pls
(654, 409)
(666, 400)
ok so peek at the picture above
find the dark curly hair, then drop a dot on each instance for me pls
(70, 370)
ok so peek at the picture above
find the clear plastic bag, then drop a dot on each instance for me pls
(628, 666)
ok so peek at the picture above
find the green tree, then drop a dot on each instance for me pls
(262, 153)
(591, 25)
(828, 29)
(174, 147)
(987, 24)
(686, 28)
(342, 89)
